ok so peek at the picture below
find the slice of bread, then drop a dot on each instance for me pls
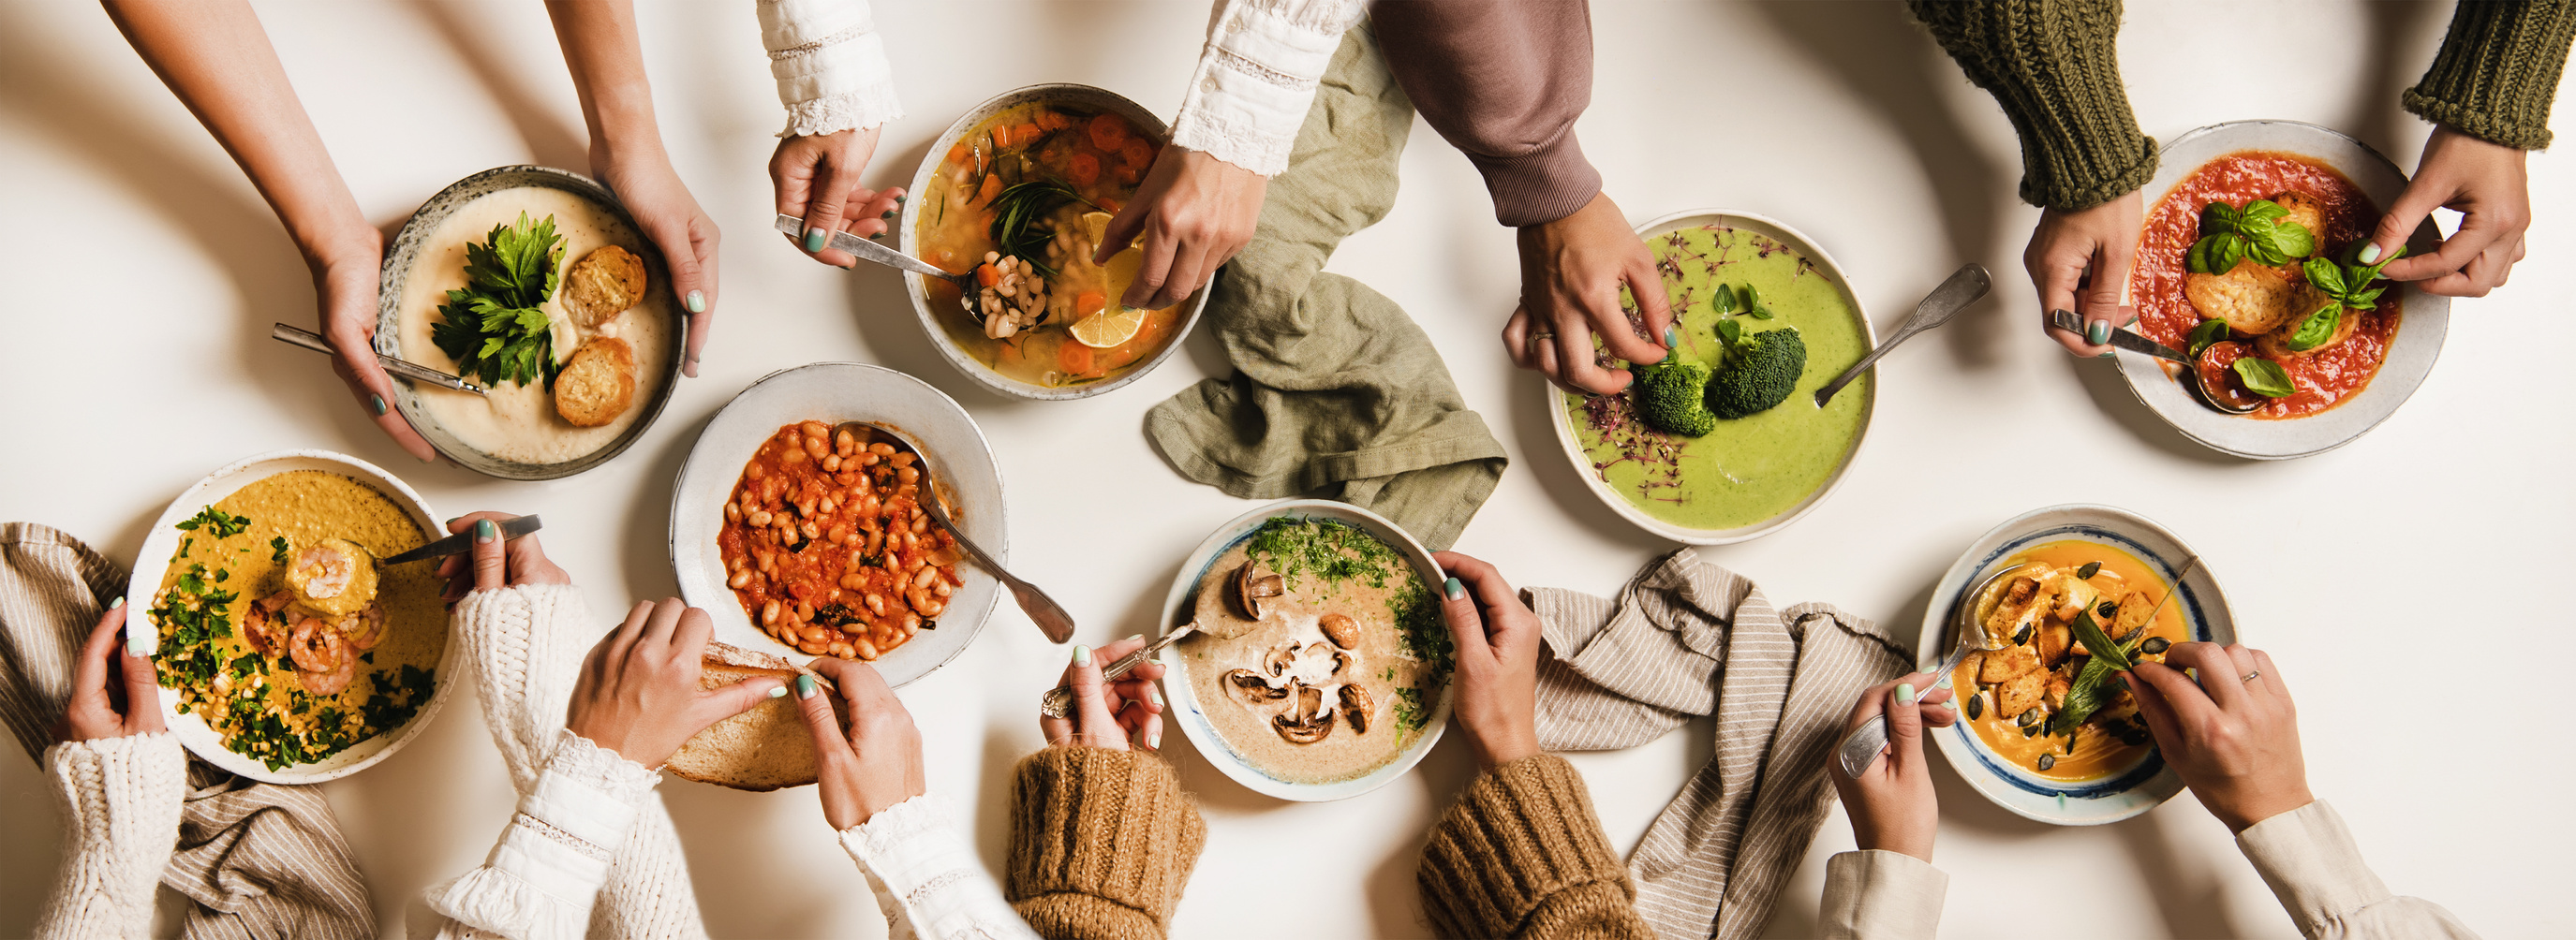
(603, 285)
(765, 748)
(598, 384)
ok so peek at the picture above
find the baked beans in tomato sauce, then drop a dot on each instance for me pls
(2326, 378)
(826, 545)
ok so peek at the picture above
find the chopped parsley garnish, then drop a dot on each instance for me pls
(492, 327)
(278, 546)
(1336, 552)
(216, 522)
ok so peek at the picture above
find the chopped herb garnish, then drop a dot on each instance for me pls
(492, 327)
(278, 546)
(216, 522)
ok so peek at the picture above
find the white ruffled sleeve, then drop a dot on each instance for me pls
(1256, 76)
(831, 66)
(541, 880)
(927, 878)
(120, 799)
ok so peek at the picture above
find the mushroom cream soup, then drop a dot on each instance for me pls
(518, 422)
(280, 631)
(1342, 652)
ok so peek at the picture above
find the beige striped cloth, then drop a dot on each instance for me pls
(1686, 639)
(259, 859)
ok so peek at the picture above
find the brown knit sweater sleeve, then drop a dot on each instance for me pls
(1502, 82)
(1102, 842)
(2054, 66)
(2497, 70)
(1521, 855)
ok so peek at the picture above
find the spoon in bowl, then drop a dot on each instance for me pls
(871, 251)
(2199, 384)
(1246, 589)
(1962, 288)
(1049, 615)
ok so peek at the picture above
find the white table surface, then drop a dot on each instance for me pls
(143, 271)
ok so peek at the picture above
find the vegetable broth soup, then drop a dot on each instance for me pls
(1022, 200)
(2037, 696)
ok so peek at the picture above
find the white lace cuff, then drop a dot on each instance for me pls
(544, 876)
(830, 64)
(1256, 77)
(927, 877)
(121, 799)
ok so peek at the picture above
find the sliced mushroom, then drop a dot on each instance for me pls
(1341, 661)
(1307, 722)
(1280, 658)
(1252, 589)
(1252, 688)
(1357, 707)
(1343, 631)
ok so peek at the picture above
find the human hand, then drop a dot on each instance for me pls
(344, 283)
(114, 691)
(1498, 639)
(879, 764)
(1194, 212)
(1891, 804)
(1108, 715)
(494, 563)
(638, 694)
(2490, 186)
(2233, 736)
(817, 179)
(2067, 244)
(1571, 270)
(670, 217)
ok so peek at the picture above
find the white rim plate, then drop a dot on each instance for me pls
(2421, 326)
(910, 224)
(1833, 271)
(163, 543)
(832, 392)
(1184, 707)
(2026, 794)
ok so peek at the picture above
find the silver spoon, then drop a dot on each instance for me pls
(1962, 288)
(871, 251)
(2123, 339)
(1050, 616)
(1860, 748)
(1058, 701)
(310, 340)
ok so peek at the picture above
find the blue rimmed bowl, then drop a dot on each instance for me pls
(2124, 793)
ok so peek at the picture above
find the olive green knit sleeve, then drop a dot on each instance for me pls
(2497, 71)
(2054, 66)
(1102, 842)
(1521, 855)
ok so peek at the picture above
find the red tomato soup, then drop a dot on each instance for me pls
(2330, 376)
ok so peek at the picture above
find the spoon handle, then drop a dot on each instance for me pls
(863, 248)
(1961, 288)
(1049, 615)
(1059, 700)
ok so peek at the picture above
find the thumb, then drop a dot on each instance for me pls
(832, 186)
(491, 563)
(740, 697)
(1093, 725)
(2403, 218)
(829, 746)
(1904, 729)
(1123, 228)
(2111, 266)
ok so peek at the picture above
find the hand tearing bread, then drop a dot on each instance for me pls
(766, 748)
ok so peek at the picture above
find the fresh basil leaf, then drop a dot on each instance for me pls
(2260, 210)
(2293, 240)
(1762, 312)
(2231, 252)
(2364, 300)
(2217, 217)
(2265, 377)
(2197, 259)
(1724, 302)
(2317, 328)
(2209, 331)
(2325, 276)
(1729, 331)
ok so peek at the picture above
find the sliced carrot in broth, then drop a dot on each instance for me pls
(1137, 152)
(992, 187)
(1074, 357)
(1085, 169)
(958, 153)
(1026, 133)
(987, 275)
(1089, 302)
(1109, 132)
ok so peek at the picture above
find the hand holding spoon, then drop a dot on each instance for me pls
(1962, 288)
(2199, 385)
(1050, 616)
(1246, 589)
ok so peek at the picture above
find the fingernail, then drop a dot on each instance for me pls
(376, 403)
(697, 301)
(778, 691)
(1133, 637)
(1456, 588)
(485, 531)
(114, 604)
(2370, 253)
(2105, 354)
(898, 198)
(137, 642)
(804, 686)
(814, 239)
(1672, 335)
(1082, 655)
(2097, 332)
(1154, 740)
(1904, 693)
(1155, 694)
(451, 520)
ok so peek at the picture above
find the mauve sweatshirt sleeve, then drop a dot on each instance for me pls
(1503, 82)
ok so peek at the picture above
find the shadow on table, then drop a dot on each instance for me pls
(1532, 436)
(2189, 894)
(1884, 59)
(2111, 394)
(550, 142)
(2398, 31)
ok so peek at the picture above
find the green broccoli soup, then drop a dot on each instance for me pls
(1726, 434)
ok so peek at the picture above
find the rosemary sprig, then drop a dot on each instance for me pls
(1017, 211)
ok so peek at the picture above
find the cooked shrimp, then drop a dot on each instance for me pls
(332, 577)
(264, 627)
(365, 628)
(318, 646)
(330, 683)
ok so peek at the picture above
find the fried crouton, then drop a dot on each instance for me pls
(2006, 664)
(2275, 345)
(2134, 611)
(2254, 299)
(2307, 212)
(2020, 694)
(2053, 641)
(598, 384)
(603, 285)
(2054, 693)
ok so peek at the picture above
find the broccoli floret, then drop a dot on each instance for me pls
(1670, 398)
(1760, 372)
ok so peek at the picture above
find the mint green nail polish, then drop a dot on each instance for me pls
(114, 604)
(1673, 335)
(1082, 655)
(778, 691)
(814, 239)
(376, 403)
(1904, 693)
(1456, 588)
(2106, 354)
(2370, 253)
(697, 301)
(804, 686)
(451, 521)
(485, 531)
(2098, 332)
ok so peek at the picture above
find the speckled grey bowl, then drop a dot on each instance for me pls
(1083, 96)
(398, 264)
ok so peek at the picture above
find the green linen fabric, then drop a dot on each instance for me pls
(1336, 391)
(2497, 71)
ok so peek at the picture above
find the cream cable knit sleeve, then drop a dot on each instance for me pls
(927, 878)
(120, 799)
(830, 64)
(526, 646)
(1256, 76)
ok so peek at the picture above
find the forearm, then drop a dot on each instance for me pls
(1102, 842)
(2497, 71)
(2313, 866)
(2054, 67)
(120, 800)
(606, 57)
(215, 57)
(1881, 894)
(830, 64)
(1257, 76)
(1521, 854)
(1503, 83)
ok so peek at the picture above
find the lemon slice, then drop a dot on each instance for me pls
(1116, 323)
